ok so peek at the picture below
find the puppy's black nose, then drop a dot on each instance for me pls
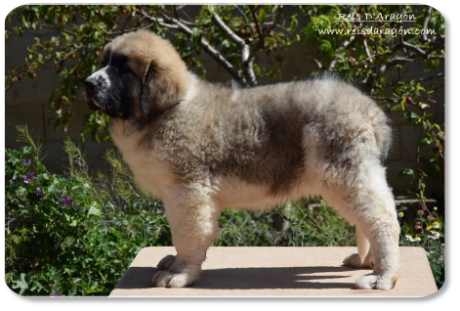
(90, 86)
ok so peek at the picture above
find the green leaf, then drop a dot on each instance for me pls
(426, 116)
(410, 115)
(21, 191)
(424, 106)
(21, 284)
(406, 172)
(262, 16)
(426, 141)
(94, 210)
(197, 32)
(325, 47)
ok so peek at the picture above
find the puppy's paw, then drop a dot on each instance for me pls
(169, 279)
(174, 272)
(375, 281)
(354, 261)
(166, 262)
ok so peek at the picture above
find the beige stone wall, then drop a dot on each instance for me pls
(26, 104)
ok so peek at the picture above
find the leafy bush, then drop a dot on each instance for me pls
(76, 234)
(63, 234)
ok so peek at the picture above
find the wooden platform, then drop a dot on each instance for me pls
(276, 272)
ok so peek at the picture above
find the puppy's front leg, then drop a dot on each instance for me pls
(192, 216)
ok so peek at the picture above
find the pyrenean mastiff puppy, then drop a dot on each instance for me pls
(202, 148)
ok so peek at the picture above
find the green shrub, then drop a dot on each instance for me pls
(64, 234)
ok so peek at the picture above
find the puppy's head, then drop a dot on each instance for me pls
(141, 75)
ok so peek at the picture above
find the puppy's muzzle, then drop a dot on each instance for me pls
(91, 90)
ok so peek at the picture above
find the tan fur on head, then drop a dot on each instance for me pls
(223, 147)
(164, 75)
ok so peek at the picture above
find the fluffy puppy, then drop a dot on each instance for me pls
(202, 148)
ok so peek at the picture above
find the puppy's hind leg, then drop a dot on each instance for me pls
(367, 201)
(192, 217)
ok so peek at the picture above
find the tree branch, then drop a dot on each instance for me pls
(368, 53)
(225, 29)
(258, 29)
(318, 63)
(276, 20)
(416, 49)
(116, 33)
(160, 21)
(368, 83)
(393, 62)
(437, 76)
(245, 17)
(425, 23)
(207, 47)
(246, 57)
(341, 48)
(188, 22)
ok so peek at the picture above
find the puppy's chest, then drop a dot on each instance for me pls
(151, 172)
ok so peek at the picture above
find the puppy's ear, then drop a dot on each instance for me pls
(159, 91)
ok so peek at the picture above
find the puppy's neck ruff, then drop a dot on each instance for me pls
(192, 87)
